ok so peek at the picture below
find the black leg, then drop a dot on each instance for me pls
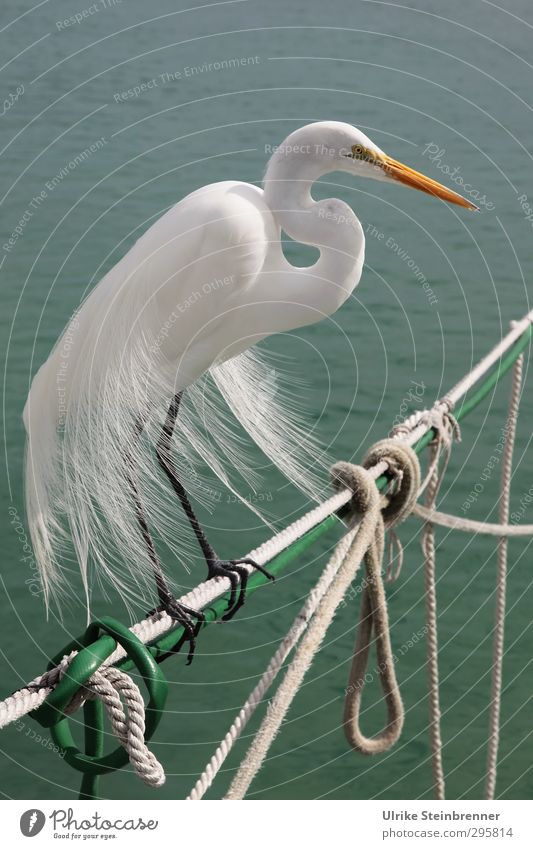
(216, 567)
(179, 612)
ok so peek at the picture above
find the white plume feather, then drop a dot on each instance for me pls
(76, 488)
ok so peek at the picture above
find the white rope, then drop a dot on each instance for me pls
(432, 650)
(292, 638)
(415, 425)
(501, 585)
(113, 687)
(461, 388)
(396, 506)
(471, 526)
(307, 649)
(446, 428)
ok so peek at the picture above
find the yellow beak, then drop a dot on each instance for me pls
(415, 180)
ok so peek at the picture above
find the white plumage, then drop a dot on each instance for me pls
(182, 309)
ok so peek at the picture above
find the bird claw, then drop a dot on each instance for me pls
(238, 576)
(183, 615)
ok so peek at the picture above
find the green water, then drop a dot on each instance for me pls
(452, 75)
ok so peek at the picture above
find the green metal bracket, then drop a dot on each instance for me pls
(94, 651)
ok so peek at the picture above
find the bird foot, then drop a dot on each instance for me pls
(237, 575)
(185, 616)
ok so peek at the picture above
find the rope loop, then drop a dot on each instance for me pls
(116, 689)
(374, 620)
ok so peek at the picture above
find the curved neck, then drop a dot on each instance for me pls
(287, 191)
(330, 225)
(294, 210)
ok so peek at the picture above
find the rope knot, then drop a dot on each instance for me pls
(444, 423)
(358, 481)
(404, 469)
(118, 691)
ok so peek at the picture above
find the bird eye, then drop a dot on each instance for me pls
(357, 150)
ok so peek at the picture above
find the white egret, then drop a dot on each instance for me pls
(205, 283)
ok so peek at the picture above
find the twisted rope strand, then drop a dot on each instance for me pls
(255, 698)
(113, 687)
(501, 584)
(432, 649)
(446, 429)
(308, 647)
(471, 526)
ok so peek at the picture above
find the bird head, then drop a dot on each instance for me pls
(327, 146)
